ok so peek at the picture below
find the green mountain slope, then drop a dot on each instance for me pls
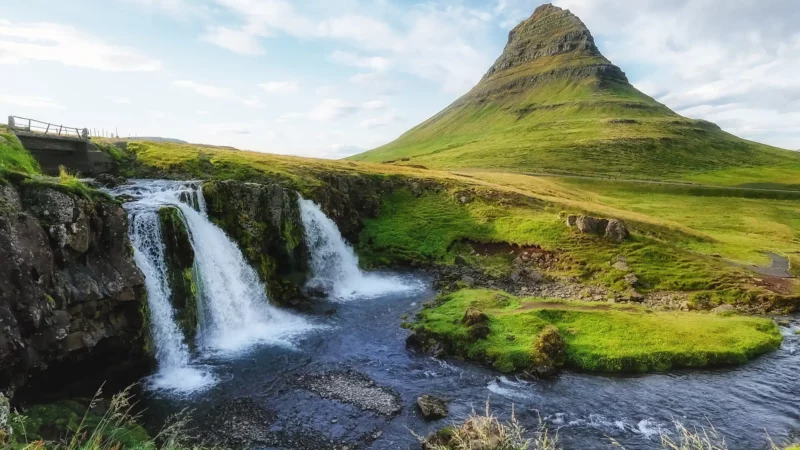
(553, 103)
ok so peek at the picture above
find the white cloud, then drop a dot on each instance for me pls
(217, 93)
(332, 109)
(389, 118)
(377, 63)
(374, 104)
(21, 43)
(238, 41)
(280, 87)
(444, 44)
(30, 101)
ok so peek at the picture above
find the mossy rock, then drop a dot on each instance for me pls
(179, 256)
(264, 220)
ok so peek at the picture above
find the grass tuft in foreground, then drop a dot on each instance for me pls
(63, 427)
(488, 432)
(597, 337)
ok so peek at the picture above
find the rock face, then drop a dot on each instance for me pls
(264, 219)
(431, 408)
(550, 31)
(179, 256)
(70, 293)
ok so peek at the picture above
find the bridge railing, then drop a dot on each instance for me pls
(17, 123)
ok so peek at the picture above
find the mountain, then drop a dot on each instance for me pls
(553, 103)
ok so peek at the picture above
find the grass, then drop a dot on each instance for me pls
(486, 431)
(599, 338)
(14, 157)
(70, 425)
(677, 229)
(412, 229)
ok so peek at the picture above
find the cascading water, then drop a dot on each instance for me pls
(233, 308)
(334, 264)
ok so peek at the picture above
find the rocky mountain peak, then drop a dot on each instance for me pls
(549, 31)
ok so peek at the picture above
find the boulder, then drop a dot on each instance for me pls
(474, 316)
(432, 408)
(612, 229)
(591, 225)
(108, 180)
(631, 279)
(616, 231)
(724, 309)
(572, 220)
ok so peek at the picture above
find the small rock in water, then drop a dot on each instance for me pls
(432, 408)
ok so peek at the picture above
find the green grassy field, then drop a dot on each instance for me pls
(602, 338)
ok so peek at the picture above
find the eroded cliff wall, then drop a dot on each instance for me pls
(71, 296)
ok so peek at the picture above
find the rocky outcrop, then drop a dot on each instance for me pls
(179, 256)
(264, 220)
(612, 229)
(70, 293)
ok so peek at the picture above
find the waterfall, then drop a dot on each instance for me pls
(334, 264)
(233, 307)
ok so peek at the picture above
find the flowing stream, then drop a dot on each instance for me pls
(234, 311)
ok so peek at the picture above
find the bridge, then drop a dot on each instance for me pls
(54, 145)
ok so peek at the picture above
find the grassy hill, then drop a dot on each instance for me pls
(553, 103)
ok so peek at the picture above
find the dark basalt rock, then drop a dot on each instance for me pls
(70, 293)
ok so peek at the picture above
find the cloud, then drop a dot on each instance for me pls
(377, 63)
(381, 121)
(280, 87)
(24, 42)
(332, 109)
(684, 54)
(217, 93)
(30, 101)
(442, 43)
(238, 41)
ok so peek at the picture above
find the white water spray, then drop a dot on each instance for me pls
(334, 264)
(233, 307)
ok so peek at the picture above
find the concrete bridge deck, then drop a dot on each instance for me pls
(55, 145)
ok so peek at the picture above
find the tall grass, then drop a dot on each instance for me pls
(113, 430)
(486, 432)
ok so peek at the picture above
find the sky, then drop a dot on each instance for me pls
(333, 78)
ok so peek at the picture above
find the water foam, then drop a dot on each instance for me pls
(334, 264)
